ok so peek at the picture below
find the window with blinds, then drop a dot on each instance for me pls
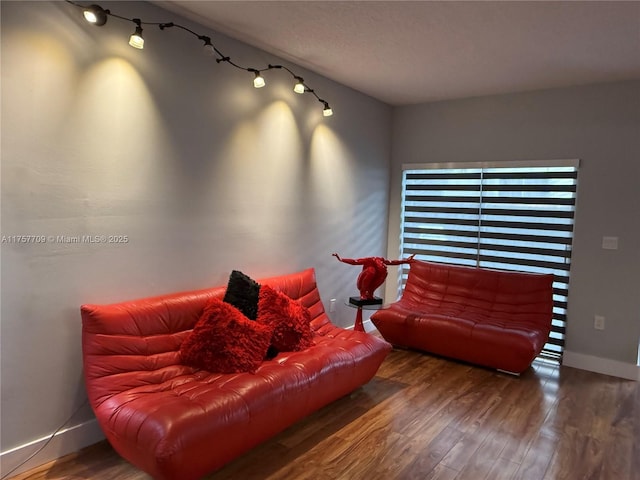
(509, 216)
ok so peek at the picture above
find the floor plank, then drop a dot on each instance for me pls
(423, 417)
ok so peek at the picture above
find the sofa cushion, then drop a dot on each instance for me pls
(242, 293)
(289, 320)
(225, 341)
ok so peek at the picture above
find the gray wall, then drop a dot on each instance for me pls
(202, 173)
(600, 125)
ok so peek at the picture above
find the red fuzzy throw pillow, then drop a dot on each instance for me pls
(288, 318)
(225, 341)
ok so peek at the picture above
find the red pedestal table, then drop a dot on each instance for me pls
(363, 304)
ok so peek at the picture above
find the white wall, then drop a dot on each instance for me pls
(600, 125)
(202, 173)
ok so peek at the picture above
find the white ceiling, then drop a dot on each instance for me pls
(406, 52)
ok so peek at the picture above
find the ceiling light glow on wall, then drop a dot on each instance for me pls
(136, 40)
(96, 15)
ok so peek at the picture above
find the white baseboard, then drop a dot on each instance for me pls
(605, 366)
(63, 443)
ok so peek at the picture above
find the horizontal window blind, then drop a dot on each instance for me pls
(509, 217)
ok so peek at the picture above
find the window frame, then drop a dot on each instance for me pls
(475, 216)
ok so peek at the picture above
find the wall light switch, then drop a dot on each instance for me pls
(610, 243)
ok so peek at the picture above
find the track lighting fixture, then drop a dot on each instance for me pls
(136, 40)
(258, 81)
(299, 86)
(327, 112)
(208, 49)
(97, 15)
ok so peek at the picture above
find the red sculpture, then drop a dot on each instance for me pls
(374, 272)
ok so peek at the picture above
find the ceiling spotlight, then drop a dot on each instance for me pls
(208, 48)
(258, 82)
(299, 86)
(136, 40)
(327, 112)
(96, 15)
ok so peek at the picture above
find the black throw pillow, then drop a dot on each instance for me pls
(242, 292)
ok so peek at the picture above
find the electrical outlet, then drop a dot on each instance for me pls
(598, 322)
(610, 243)
(332, 305)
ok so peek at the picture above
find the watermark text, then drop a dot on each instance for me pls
(63, 239)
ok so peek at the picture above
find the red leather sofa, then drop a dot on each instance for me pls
(492, 318)
(178, 422)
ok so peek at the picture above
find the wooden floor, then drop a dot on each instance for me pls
(424, 418)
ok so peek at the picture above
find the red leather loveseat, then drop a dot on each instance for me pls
(492, 318)
(178, 422)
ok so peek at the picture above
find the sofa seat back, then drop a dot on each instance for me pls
(136, 343)
(480, 295)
